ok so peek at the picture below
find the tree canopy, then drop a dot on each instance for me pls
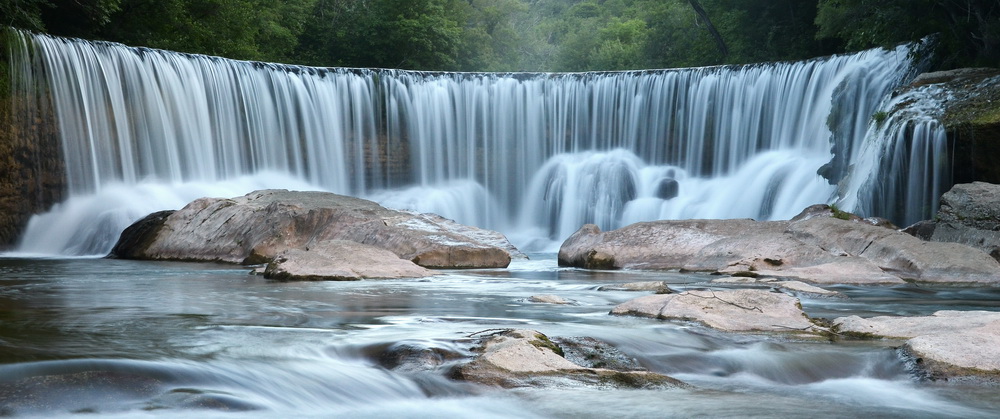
(522, 35)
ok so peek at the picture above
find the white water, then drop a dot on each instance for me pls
(533, 155)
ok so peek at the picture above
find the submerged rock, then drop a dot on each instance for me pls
(814, 248)
(520, 358)
(744, 310)
(260, 226)
(659, 287)
(795, 287)
(947, 344)
(549, 299)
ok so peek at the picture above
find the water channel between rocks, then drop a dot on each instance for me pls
(135, 339)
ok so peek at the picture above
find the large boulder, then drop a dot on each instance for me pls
(816, 248)
(260, 226)
(741, 310)
(969, 214)
(947, 344)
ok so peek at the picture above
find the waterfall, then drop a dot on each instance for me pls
(534, 155)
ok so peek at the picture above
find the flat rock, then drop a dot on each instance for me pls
(519, 358)
(659, 287)
(948, 344)
(815, 248)
(259, 226)
(910, 327)
(341, 260)
(743, 310)
(792, 286)
(549, 299)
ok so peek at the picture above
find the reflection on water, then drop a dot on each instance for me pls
(131, 338)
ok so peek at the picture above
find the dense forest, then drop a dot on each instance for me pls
(523, 35)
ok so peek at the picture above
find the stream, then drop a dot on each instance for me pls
(116, 338)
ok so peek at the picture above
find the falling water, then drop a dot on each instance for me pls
(534, 155)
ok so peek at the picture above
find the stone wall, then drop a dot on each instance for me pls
(31, 166)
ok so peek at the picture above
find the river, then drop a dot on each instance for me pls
(166, 339)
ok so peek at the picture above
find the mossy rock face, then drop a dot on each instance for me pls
(972, 119)
(32, 171)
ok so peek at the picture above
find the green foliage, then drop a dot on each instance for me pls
(520, 35)
(968, 31)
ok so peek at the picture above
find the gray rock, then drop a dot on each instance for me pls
(744, 310)
(259, 226)
(970, 215)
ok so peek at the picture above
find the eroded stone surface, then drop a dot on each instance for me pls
(518, 358)
(948, 343)
(257, 227)
(743, 310)
(341, 260)
(815, 248)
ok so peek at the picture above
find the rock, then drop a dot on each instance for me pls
(549, 299)
(947, 344)
(970, 215)
(743, 310)
(659, 287)
(340, 260)
(792, 286)
(520, 358)
(814, 248)
(909, 327)
(139, 235)
(971, 117)
(667, 189)
(259, 226)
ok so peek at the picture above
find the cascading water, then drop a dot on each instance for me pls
(533, 155)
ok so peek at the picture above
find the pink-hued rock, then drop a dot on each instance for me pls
(743, 310)
(259, 226)
(816, 248)
(340, 260)
(948, 343)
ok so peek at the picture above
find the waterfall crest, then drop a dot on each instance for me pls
(534, 155)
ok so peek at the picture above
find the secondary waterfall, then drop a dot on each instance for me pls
(533, 155)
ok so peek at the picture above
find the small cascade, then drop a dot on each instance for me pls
(534, 155)
(904, 168)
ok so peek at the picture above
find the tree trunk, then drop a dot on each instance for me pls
(711, 28)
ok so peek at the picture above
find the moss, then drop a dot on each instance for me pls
(840, 214)
(879, 117)
(542, 341)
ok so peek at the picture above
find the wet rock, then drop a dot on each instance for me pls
(520, 358)
(668, 189)
(415, 356)
(795, 287)
(947, 344)
(659, 287)
(744, 310)
(341, 260)
(814, 248)
(549, 299)
(259, 226)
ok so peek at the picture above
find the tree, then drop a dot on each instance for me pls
(969, 30)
